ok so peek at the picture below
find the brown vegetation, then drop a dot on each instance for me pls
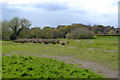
(46, 41)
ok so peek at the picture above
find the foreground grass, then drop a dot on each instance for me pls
(0, 60)
(103, 50)
(35, 67)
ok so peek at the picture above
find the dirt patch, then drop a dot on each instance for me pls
(96, 67)
(94, 49)
(85, 41)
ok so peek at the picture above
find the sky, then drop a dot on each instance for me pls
(62, 12)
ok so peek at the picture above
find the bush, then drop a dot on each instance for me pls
(80, 33)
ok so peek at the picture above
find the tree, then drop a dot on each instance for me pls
(101, 28)
(6, 31)
(119, 31)
(16, 23)
(35, 32)
(64, 30)
(25, 23)
(95, 29)
(0, 30)
(15, 26)
(24, 32)
(80, 33)
(98, 32)
(111, 32)
(50, 33)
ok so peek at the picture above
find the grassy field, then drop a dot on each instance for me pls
(35, 67)
(0, 60)
(103, 50)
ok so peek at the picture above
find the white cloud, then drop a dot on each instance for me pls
(95, 11)
(1, 1)
(27, 1)
(101, 6)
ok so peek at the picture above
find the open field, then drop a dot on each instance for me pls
(101, 52)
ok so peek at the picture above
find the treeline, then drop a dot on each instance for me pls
(20, 28)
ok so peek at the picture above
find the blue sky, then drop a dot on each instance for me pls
(62, 12)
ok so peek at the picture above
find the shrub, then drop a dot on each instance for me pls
(80, 33)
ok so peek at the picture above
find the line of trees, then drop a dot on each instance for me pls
(20, 28)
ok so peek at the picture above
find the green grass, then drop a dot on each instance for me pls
(0, 60)
(103, 50)
(35, 67)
